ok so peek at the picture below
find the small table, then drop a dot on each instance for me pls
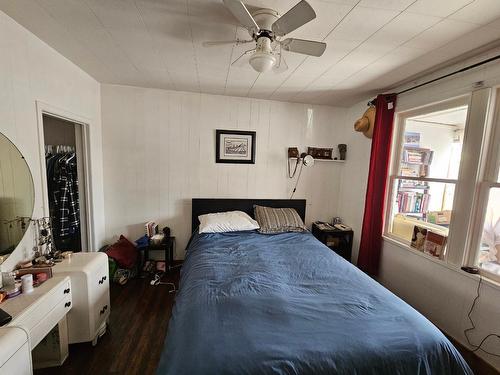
(168, 247)
(337, 240)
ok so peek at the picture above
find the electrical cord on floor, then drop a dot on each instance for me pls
(473, 326)
(157, 281)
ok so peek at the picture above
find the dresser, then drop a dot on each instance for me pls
(89, 273)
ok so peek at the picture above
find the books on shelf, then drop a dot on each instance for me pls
(434, 244)
(428, 241)
(415, 155)
(412, 202)
(418, 237)
(151, 228)
(414, 170)
(412, 184)
(439, 217)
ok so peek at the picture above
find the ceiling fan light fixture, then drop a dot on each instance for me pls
(262, 61)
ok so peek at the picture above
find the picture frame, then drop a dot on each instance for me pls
(235, 146)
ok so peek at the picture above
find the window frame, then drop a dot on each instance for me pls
(464, 217)
(488, 179)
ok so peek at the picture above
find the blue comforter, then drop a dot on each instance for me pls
(286, 304)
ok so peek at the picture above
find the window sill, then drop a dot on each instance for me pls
(402, 244)
(485, 276)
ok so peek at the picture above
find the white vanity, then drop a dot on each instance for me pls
(36, 314)
(72, 306)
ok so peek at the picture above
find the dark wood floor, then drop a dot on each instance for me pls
(138, 324)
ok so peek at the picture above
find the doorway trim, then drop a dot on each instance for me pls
(49, 110)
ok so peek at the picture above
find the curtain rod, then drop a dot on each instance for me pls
(497, 57)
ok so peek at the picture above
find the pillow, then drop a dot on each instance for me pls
(230, 221)
(278, 220)
(123, 252)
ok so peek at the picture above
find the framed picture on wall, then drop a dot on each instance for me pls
(235, 146)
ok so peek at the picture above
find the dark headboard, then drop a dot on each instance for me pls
(203, 206)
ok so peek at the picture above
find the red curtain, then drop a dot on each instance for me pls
(373, 219)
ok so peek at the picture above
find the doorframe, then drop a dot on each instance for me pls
(49, 110)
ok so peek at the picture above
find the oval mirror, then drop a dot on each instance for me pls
(17, 196)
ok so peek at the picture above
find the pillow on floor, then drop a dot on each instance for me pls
(123, 252)
(230, 221)
(278, 220)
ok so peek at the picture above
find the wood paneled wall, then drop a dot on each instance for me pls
(159, 152)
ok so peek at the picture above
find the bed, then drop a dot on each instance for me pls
(286, 304)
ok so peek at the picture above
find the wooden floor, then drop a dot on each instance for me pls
(138, 324)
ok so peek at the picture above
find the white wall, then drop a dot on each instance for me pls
(442, 293)
(159, 152)
(31, 71)
(353, 184)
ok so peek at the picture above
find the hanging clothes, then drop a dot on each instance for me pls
(62, 182)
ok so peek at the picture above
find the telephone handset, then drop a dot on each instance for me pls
(342, 227)
(324, 226)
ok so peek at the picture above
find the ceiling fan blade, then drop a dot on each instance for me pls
(299, 15)
(241, 13)
(306, 47)
(213, 43)
(243, 59)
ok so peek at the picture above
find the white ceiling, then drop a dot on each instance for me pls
(372, 44)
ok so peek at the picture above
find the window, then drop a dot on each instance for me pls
(426, 164)
(487, 249)
(444, 181)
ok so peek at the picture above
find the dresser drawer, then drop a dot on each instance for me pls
(102, 279)
(39, 331)
(38, 315)
(101, 312)
(89, 273)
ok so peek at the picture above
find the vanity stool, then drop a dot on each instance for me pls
(89, 275)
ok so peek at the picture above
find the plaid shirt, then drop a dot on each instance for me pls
(65, 198)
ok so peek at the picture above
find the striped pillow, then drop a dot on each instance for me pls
(278, 220)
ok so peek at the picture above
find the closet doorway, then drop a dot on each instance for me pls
(66, 182)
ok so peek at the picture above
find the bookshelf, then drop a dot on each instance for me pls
(413, 195)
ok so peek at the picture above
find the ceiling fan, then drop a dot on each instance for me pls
(266, 29)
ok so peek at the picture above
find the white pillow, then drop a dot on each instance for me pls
(230, 221)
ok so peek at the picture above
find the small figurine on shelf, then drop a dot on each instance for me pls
(342, 150)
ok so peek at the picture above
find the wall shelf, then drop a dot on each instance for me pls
(323, 160)
(330, 161)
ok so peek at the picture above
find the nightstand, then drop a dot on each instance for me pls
(337, 240)
(167, 247)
